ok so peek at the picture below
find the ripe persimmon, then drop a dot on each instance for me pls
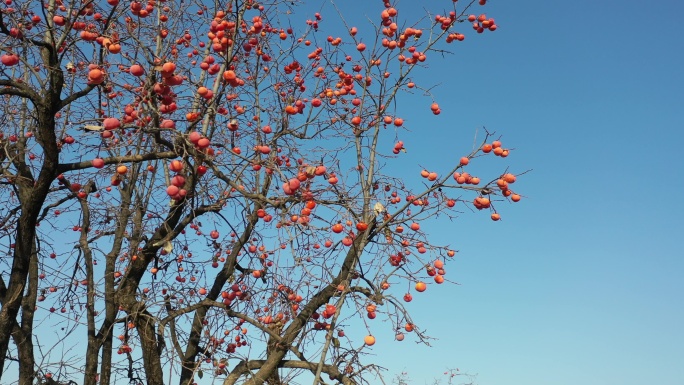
(510, 178)
(111, 123)
(194, 137)
(98, 162)
(176, 166)
(169, 67)
(369, 340)
(482, 202)
(502, 184)
(9, 60)
(229, 76)
(96, 76)
(136, 70)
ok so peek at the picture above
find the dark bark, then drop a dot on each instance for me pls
(32, 194)
(244, 367)
(91, 358)
(126, 295)
(271, 346)
(25, 341)
(151, 347)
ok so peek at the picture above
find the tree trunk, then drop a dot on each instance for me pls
(151, 348)
(32, 195)
(24, 339)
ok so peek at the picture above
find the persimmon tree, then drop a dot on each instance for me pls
(199, 189)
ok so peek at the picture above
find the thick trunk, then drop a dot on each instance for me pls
(32, 195)
(26, 360)
(24, 339)
(271, 346)
(17, 283)
(151, 347)
(106, 366)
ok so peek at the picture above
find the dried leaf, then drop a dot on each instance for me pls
(90, 127)
(378, 208)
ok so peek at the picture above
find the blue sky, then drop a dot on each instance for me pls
(581, 282)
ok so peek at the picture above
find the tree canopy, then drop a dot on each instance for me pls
(198, 189)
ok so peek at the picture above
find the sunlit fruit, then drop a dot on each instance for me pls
(136, 70)
(98, 162)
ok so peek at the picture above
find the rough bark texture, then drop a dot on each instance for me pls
(32, 194)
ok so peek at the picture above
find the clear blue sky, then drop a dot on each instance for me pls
(582, 281)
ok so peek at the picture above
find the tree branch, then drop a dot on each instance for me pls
(245, 367)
